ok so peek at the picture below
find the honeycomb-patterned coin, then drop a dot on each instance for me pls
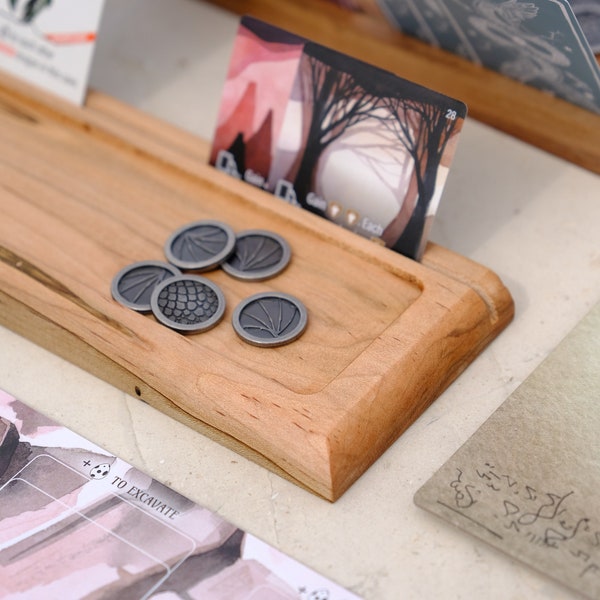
(200, 246)
(270, 319)
(258, 255)
(133, 285)
(188, 303)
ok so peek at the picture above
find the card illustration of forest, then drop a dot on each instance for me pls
(341, 138)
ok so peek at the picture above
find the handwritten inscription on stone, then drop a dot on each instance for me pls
(505, 506)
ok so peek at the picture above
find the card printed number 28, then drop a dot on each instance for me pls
(451, 114)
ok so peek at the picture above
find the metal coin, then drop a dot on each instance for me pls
(258, 255)
(188, 303)
(133, 285)
(270, 319)
(200, 246)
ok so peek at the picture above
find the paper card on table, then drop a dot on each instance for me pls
(78, 522)
(348, 141)
(528, 481)
(50, 43)
(539, 42)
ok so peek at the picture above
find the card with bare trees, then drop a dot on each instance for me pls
(346, 140)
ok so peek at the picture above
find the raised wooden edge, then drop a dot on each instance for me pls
(45, 333)
(554, 125)
(479, 303)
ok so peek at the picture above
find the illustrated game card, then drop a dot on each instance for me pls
(77, 522)
(528, 481)
(537, 42)
(50, 43)
(336, 136)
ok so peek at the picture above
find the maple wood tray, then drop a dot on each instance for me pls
(87, 191)
(522, 111)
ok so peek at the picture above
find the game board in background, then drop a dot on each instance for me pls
(50, 43)
(537, 42)
(348, 141)
(528, 481)
(76, 522)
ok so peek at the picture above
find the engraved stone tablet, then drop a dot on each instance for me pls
(258, 255)
(270, 319)
(188, 303)
(200, 246)
(133, 285)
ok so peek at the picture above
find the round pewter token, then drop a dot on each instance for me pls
(200, 246)
(270, 319)
(133, 285)
(188, 303)
(258, 255)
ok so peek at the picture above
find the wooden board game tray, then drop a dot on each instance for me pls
(87, 191)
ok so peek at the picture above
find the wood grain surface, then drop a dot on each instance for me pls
(522, 111)
(87, 191)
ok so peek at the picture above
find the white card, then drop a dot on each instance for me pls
(50, 43)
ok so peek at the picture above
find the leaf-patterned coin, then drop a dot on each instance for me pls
(258, 255)
(133, 285)
(200, 246)
(188, 303)
(270, 319)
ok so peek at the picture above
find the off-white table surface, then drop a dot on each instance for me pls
(532, 218)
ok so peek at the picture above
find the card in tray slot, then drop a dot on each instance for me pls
(365, 149)
(539, 42)
(344, 139)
